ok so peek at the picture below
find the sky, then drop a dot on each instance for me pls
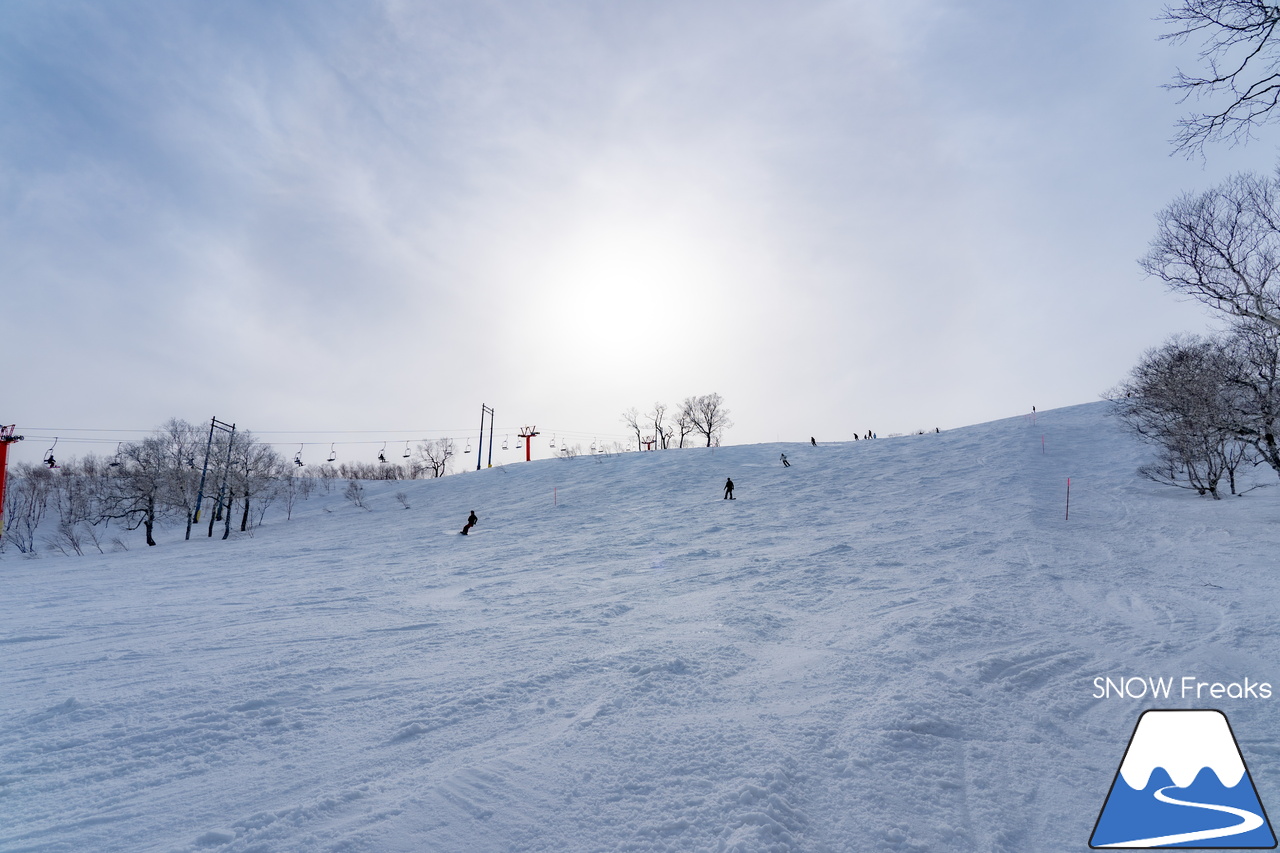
(339, 224)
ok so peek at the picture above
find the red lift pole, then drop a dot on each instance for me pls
(6, 438)
(528, 433)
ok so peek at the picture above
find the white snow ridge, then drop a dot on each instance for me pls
(888, 646)
(1183, 743)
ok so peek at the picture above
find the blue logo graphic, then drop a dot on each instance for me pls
(1183, 783)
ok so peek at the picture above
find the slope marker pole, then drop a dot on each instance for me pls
(1068, 515)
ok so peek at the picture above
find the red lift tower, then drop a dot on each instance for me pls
(6, 438)
(528, 433)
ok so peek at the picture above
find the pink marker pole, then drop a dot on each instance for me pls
(1068, 515)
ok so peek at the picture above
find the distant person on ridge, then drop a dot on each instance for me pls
(728, 489)
(813, 441)
(471, 522)
(785, 463)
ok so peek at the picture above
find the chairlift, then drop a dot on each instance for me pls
(504, 443)
(406, 450)
(115, 460)
(333, 454)
(553, 441)
(468, 449)
(382, 454)
(297, 457)
(519, 444)
(593, 445)
(48, 456)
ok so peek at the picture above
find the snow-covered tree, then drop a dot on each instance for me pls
(1180, 398)
(255, 469)
(1254, 351)
(138, 491)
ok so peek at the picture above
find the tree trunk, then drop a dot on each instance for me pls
(149, 522)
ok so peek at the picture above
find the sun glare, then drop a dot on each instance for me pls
(628, 291)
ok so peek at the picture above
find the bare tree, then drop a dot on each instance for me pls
(1238, 47)
(372, 471)
(683, 422)
(26, 500)
(631, 417)
(709, 416)
(76, 489)
(290, 486)
(355, 494)
(433, 456)
(661, 430)
(1222, 247)
(67, 540)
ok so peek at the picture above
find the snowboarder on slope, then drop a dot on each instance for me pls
(471, 522)
(728, 489)
(813, 441)
(785, 463)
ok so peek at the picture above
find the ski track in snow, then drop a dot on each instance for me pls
(1248, 822)
(888, 646)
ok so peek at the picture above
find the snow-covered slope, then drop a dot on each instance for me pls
(890, 645)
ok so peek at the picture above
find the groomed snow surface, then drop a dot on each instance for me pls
(888, 646)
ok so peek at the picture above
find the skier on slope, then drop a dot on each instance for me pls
(785, 463)
(728, 489)
(471, 522)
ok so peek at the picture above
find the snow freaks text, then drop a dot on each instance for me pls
(1185, 687)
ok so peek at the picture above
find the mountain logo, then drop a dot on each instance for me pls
(1183, 783)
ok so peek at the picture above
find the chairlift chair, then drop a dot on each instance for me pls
(406, 450)
(115, 460)
(553, 441)
(382, 454)
(333, 454)
(48, 456)
(297, 457)
(504, 443)
(468, 448)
